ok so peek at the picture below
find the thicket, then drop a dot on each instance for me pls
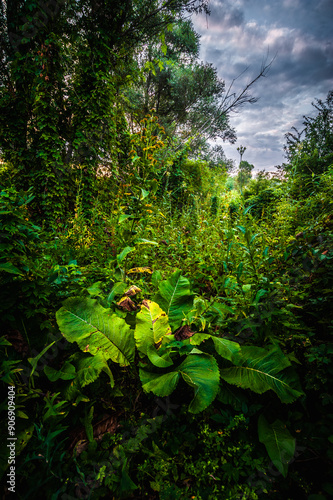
(167, 328)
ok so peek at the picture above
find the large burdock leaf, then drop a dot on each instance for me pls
(261, 370)
(151, 326)
(175, 298)
(96, 330)
(224, 347)
(88, 370)
(279, 443)
(200, 371)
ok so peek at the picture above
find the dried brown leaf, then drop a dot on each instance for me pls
(184, 332)
(127, 304)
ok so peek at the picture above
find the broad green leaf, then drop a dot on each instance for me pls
(230, 395)
(4, 341)
(117, 289)
(199, 305)
(161, 361)
(175, 298)
(222, 308)
(126, 484)
(144, 194)
(279, 443)
(95, 289)
(161, 385)
(260, 371)
(96, 330)
(8, 267)
(151, 326)
(224, 347)
(88, 370)
(66, 372)
(200, 371)
(260, 294)
(123, 254)
(124, 217)
(156, 277)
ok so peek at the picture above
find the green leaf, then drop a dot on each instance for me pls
(143, 241)
(260, 371)
(8, 267)
(53, 408)
(161, 385)
(224, 347)
(4, 341)
(242, 229)
(123, 254)
(88, 369)
(96, 330)
(144, 194)
(279, 443)
(95, 289)
(124, 217)
(248, 209)
(233, 396)
(66, 372)
(200, 371)
(117, 289)
(175, 298)
(156, 277)
(254, 237)
(222, 308)
(260, 294)
(126, 484)
(34, 361)
(151, 326)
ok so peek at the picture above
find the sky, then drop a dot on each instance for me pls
(243, 34)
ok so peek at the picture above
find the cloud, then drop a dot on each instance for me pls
(240, 34)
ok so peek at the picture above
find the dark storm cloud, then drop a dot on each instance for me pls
(225, 15)
(245, 33)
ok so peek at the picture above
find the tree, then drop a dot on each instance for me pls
(244, 173)
(215, 157)
(311, 150)
(62, 67)
(241, 150)
(188, 96)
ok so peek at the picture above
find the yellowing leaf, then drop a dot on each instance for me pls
(140, 270)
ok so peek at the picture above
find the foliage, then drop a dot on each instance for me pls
(166, 334)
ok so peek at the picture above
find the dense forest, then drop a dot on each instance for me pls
(166, 316)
